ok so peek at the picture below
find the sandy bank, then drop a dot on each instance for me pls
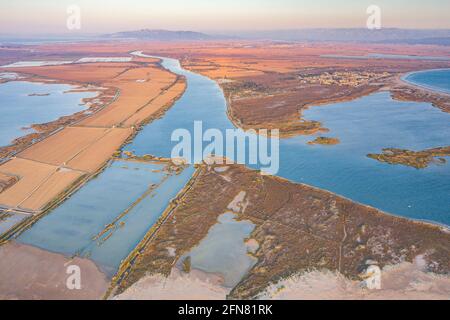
(27, 272)
(400, 282)
(196, 285)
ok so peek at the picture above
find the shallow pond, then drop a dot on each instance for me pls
(25, 103)
(223, 251)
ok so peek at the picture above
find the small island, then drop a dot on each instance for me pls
(38, 94)
(415, 159)
(325, 141)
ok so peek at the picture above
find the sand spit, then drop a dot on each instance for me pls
(27, 272)
(405, 281)
(196, 285)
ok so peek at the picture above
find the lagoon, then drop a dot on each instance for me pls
(25, 103)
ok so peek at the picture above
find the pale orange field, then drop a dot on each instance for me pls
(162, 100)
(38, 183)
(137, 88)
(63, 146)
(30, 173)
(51, 188)
(50, 167)
(93, 157)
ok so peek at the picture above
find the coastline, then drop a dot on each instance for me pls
(426, 87)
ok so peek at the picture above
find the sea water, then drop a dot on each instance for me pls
(438, 80)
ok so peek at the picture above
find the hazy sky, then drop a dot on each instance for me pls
(98, 16)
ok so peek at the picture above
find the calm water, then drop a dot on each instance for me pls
(224, 251)
(7, 221)
(18, 110)
(432, 79)
(71, 227)
(364, 126)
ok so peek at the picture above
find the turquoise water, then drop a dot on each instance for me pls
(18, 110)
(438, 80)
(70, 228)
(224, 251)
(365, 125)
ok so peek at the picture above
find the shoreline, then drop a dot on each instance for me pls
(423, 86)
(46, 129)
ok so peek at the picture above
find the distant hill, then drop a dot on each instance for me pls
(385, 35)
(437, 41)
(161, 35)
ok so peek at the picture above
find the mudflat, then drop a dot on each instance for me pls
(28, 272)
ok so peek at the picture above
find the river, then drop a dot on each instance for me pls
(365, 125)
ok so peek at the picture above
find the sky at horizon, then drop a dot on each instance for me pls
(25, 17)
